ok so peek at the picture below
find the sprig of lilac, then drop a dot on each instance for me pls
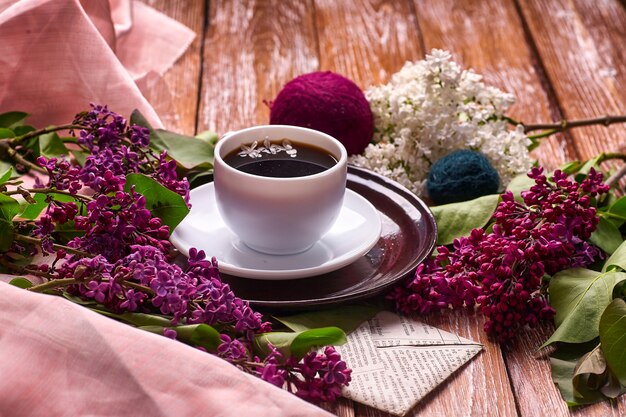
(502, 271)
(317, 377)
(115, 219)
(121, 259)
(115, 149)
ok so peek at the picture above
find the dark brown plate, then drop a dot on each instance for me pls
(408, 236)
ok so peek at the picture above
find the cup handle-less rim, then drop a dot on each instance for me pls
(341, 161)
(227, 134)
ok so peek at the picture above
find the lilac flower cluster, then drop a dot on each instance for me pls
(115, 149)
(112, 223)
(121, 257)
(145, 278)
(501, 271)
(317, 377)
(114, 219)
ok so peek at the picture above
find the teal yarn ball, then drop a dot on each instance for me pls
(461, 176)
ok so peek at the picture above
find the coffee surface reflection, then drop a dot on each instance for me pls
(280, 159)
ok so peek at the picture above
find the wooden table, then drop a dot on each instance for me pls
(561, 59)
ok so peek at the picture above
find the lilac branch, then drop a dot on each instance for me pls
(38, 242)
(567, 124)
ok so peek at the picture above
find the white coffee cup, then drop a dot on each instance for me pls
(279, 216)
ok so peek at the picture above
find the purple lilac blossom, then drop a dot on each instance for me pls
(502, 271)
(317, 377)
(129, 268)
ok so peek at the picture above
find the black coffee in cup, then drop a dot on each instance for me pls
(280, 159)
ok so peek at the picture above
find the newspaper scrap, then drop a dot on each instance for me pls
(396, 361)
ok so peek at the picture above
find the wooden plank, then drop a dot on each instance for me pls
(234, 49)
(252, 48)
(341, 408)
(488, 37)
(366, 40)
(472, 390)
(581, 51)
(581, 44)
(536, 395)
(175, 98)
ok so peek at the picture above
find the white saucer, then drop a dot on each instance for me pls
(356, 231)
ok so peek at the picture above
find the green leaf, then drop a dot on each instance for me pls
(138, 319)
(617, 259)
(592, 374)
(12, 119)
(136, 118)
(77, 300)
(9, 207)
(519, 184)
(208, 136)
(51, 146)
(22, 130)
(571, 167)
(563, 363)
(580, 296)
(613, 337)
(153, 329)
(617, 211)
(199, 335)
(21, 282)
(459, 219)
(187, 151)
(80, 156)
(197, 179)
(592, 163)
(280, 340)
(33, 145)
(4, 166)
(347, 318)
(591, 363)
(65, 232)
(315, 338)
(4, 177)
(6, 133)
(299, 343)
(162, 203)
(31, 211)
(6, 235)
(607, 236)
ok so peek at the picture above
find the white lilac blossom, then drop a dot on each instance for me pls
(433, 107)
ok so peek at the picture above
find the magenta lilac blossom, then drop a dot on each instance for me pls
(502, 271)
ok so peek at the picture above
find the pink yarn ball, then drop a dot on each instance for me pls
(327, 102)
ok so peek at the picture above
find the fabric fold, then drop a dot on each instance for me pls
(61, 359)
(60, 55)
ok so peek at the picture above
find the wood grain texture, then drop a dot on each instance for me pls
(581, 44)
(488, 37)
(252, 48)
(175, 96)
(535, 393)
(473, 389)
(366, 40)
(583, 60)
(341, 408)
